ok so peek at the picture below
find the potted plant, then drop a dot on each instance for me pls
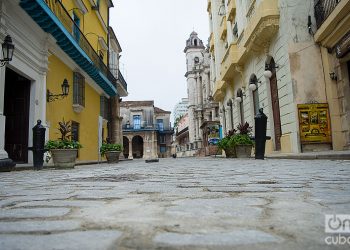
(64, 150)
(111, 151)
(242, 140)
(228, 144)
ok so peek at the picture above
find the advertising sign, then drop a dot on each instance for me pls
(314, 123)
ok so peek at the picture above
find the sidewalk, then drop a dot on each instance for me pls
(324, 155)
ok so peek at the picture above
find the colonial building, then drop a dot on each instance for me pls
(332, 33)
(146, 130)
(264, 55)
(201, 107)
(57, 44)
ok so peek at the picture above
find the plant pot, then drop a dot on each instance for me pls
(64, 158)
(230, 153)
(112, 156)
(244, 151)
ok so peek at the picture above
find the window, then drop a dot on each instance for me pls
(75, 131)
(162, 139)
(104, 107)
(162, 149)
(137, 121)
(160, 124)
(78, 89)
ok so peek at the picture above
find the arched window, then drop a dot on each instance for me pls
(195, 42)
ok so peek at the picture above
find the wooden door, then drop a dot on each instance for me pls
(276, 110)
(16, 111)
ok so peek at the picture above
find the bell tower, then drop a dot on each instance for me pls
(194, 51)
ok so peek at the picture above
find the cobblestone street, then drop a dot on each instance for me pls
(192, 203)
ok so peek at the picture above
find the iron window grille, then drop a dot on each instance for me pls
(78, 89)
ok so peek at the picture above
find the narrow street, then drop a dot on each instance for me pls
(191, 203)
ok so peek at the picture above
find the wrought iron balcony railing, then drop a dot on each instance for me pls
(323, 8)
(62, 14)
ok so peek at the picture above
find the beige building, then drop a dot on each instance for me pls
(146, 130)
(264, 55)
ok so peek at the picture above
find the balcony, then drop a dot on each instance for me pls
(263, 24)
(231, 10)
(332, 21)
(223, 28)
(219, 91)
(211, 42)
(148, 127)
(229, 62)
(53, 18)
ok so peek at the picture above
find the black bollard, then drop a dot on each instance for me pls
(38, 145)
(260, 134)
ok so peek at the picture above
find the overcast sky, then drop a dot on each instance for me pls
(153, 35)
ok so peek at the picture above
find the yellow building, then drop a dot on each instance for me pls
(57, 42)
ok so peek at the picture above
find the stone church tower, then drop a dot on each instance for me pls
(197, 75)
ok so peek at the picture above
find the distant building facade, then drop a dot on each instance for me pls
(181, 108)
(146, 130)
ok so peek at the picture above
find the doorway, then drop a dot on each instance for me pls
(16, 111)
(137, 147)
(275, 106)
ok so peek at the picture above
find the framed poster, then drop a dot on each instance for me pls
(314, 123)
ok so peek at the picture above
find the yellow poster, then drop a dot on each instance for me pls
(314, 123)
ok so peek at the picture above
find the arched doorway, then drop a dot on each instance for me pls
(271, 65)
(125, 147)
(137, 147)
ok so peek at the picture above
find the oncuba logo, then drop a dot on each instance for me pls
(337, 223)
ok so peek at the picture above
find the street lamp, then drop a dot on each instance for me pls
(65, 90)
(7, 51)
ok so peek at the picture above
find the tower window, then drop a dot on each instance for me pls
(195, 42)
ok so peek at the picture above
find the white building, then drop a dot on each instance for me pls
(180, 108)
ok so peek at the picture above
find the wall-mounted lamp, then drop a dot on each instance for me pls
(240, 94)
(333, 76)
(268, 69)
(7, 51)
(65, 90)
(268, 73)
(253, 82)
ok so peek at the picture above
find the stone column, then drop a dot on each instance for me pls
(130, 149)
(6, 164)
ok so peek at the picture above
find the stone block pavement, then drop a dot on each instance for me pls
(187, 203)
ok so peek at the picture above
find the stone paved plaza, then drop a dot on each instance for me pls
(192, 203)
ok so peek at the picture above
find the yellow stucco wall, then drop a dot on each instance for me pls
(88, 118)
